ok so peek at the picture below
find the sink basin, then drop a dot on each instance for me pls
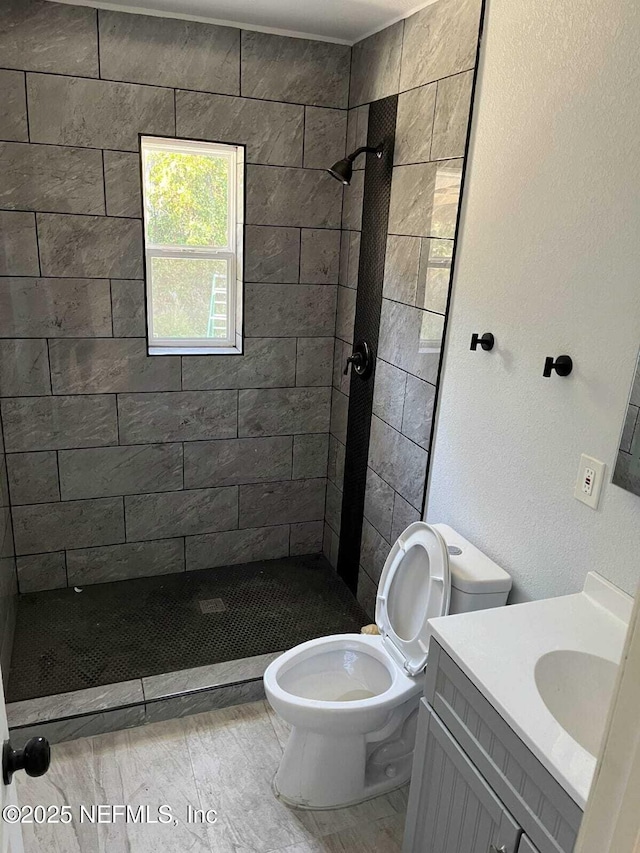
(577, 687)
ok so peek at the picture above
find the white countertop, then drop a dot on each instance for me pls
(498, 650)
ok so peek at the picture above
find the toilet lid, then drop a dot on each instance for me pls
(415, 586)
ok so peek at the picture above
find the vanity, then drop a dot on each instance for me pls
(514, 709)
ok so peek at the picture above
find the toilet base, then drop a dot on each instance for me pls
(329, 771)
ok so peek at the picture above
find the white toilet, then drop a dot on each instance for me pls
(353, 699)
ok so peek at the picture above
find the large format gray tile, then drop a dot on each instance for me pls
(357, 130)
(169, 52)
(13, 106)
(403, 515)
(91, 699)
(94, 246)
(51, 423)
(128, 308)
(412, 199)
(452, 116)
(366, 595)
(446, 198)
(349, 258)
(341, 353)
(314, 361)
(201, 701)
(33, 477)
(96, 113)
(51, 178)
(297, 70)
(121, 562)
(54, 308)
(345, 314)
(77, 524)
(417, 417)
(333, 507)
(335, 467)
(18, 244)
(388, 393)
(170, 514)
(353, 201)
(82, 727)
(411, 339)
(306, 538)
(283, 411)
(439, 41)
(235, 461)
(402, 262)
(38, 572)
(103, 471)
(374, 550)
(339, 415)
(122, 185)
(265, 363)
(375, 66)
(271, 254)
(51, 37)
(435, 274)
(272, 132)
(203, 677)
(378, 504)
(177, 416)
(330, 545)
(308, 198)
(103, 365)
(325, 132)
(282, 503)
(24, 367)
(319, 256)
(310, 456)
(398, 461)
(414, 125)
(235, 547)
(285, 310)
(629, 428)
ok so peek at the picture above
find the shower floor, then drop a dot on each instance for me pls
(67, 640)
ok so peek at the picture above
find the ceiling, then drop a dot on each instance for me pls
(344, 21)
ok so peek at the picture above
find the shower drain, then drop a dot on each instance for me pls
(212, 605)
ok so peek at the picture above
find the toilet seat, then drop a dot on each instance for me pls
(408, 596)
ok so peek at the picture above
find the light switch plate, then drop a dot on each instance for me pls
(589, 482)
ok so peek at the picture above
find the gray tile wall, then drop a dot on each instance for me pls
(120, 464)
(428, 60)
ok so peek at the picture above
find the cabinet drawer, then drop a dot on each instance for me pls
(451, 807)
(547, 814)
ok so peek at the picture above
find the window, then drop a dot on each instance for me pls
(193, 227)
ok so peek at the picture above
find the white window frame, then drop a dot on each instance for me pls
(231, 253)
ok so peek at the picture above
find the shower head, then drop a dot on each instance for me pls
(343, 170)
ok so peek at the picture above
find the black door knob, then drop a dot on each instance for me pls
(34, 758)
(361, 359)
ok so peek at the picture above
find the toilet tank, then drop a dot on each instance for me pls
(477, 583)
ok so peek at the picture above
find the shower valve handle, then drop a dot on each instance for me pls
(361, 359)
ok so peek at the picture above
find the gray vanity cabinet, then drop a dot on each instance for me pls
(526, 846)
(456, 811)
(476, 787)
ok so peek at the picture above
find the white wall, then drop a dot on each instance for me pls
(549, 261)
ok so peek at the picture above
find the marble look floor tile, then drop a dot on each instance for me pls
(204, 700)
(148, 767)
(88, 725)
(69, 782)
(381, 836)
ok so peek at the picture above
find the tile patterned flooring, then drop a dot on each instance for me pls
(224, 760)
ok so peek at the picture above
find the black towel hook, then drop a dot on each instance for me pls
(563, 365)
(487, 341)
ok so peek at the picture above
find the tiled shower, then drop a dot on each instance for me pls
(122, 466)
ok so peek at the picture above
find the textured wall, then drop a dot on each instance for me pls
(429, 59)
(122, 464)
(549, 261)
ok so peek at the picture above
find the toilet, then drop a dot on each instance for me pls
(352, 699)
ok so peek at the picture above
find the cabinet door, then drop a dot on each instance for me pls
(451, 807)
(526, 846)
